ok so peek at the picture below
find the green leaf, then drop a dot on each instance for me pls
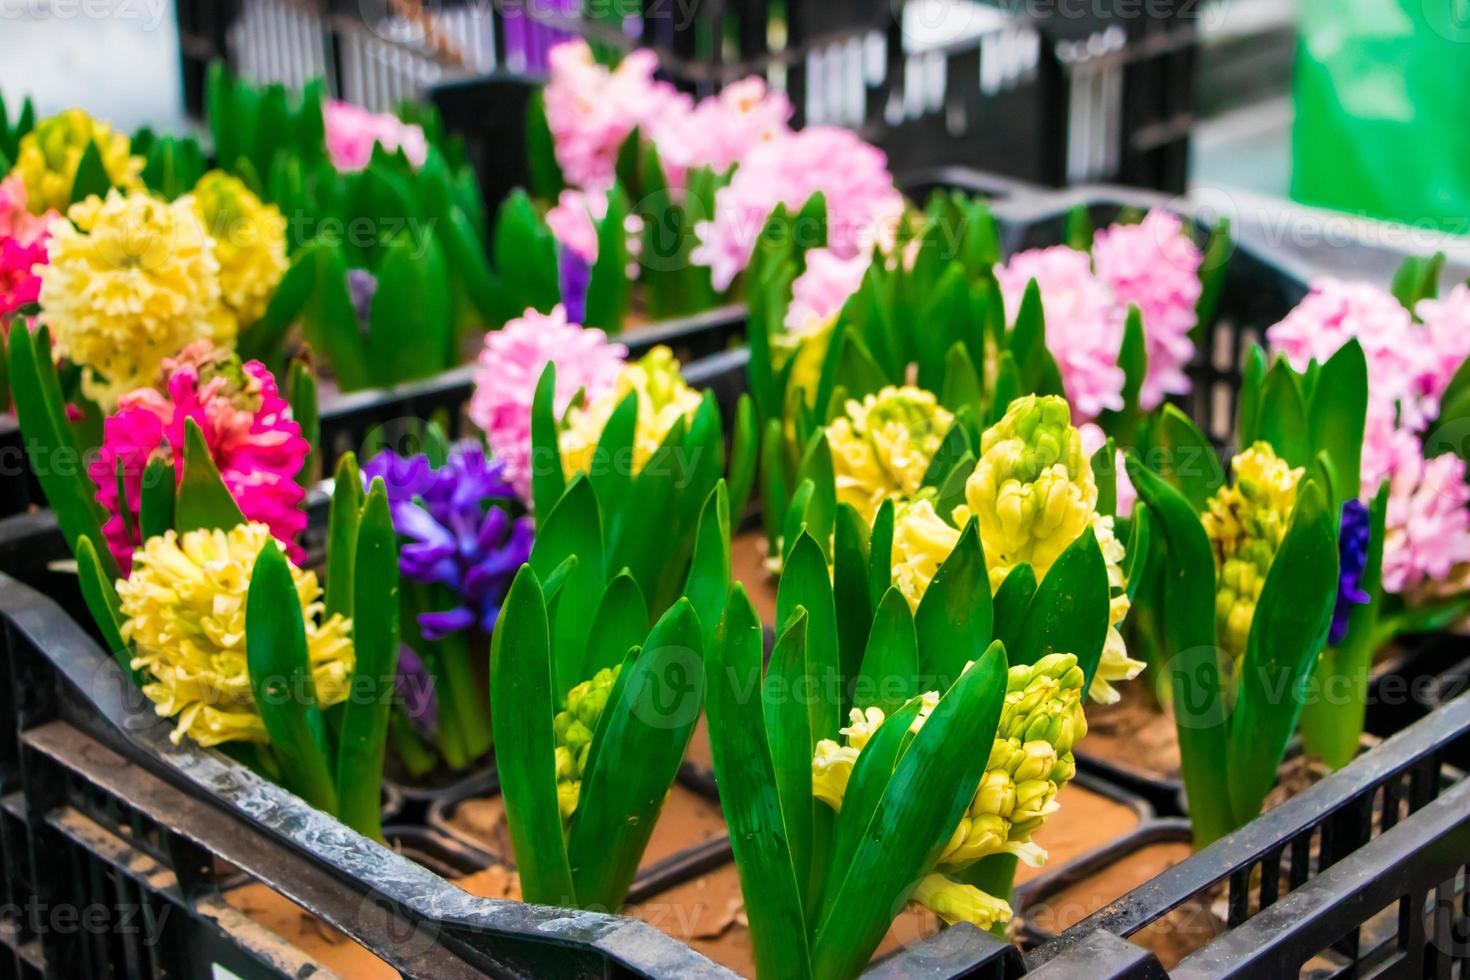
(1212, 277)
(156, 515)
(524, 251)
(646, 736)
(301, 395)
(1012, 602)
(961, 381)
(375, 633)
(574, 527)
(1337, 413)
(880, 553)
(522, 707)
(1253, 380)
(410, 331)
(933, 784)
(708, 584)
(1070, 611)
(342, 534)
(1077, 232)
(1105, 471)
(1008, 387)
(952, 490)
(620, 625)
(91, 176)
(608, 287)
(329, 321)
(547, 479)
(611, 468)
(789, 730)
(890, 668)
(1133, 359)
(850, 592)
(102, 602)
(746, 777)
(955, 617)
(806, 583)
(546, 176)
(951, 450)
(281, 680)
(204, 501)
(1185, 458)
(744, 454)
(1287, 632)
(1283, 419)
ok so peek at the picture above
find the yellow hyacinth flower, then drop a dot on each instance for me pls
(1246, 524)
(573, 728)
(249, 243)
(1115, 665)
(131, 281)
(882, 446)
(1032, 491)
(183, 608)
(48, 156)
(804, 348)
(955, 902)
(921, 543)
(663, 399)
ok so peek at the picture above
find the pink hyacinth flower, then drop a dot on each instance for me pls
(1093, 438)
(510, 366)
(1084, 323)
(351, 132)
(827, 283)
(863, 206)
(22, 246)
(1427, 531)
(1447, 326)
(252, 438)
(573, 222)
(1155, 266)
(721, 130)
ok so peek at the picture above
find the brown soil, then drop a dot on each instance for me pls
(747, 565)
(687, 820)
(308, 933)
(1175, 936)
(698, 753)
(494, 882)
(707, 913)
(1135, 734)
(1086, 821)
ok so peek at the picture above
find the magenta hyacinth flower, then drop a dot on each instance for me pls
(247, 425)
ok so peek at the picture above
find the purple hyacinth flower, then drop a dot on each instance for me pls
(416, 688)
(576, 276)
(362, 286)
(457, 531)
(1352, 547)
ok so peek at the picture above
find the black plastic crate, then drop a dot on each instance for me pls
(1363, 874)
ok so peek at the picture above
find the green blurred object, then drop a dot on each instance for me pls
(1382, 95)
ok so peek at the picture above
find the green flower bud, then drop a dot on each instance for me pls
(573, 728)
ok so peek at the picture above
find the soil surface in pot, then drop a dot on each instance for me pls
(707, 913)
(686, 821)
(748, 566)
(308, 934)
(1172, 938)
(1134, 734)
(1086, 821)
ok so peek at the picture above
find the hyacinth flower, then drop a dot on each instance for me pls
(913, 690)
(69, 156)
(249, 429)
(220, 629)
(883, 445)
(23, 238)
(652, 450)
(460, 544)
(593, 710)
(1252, 582)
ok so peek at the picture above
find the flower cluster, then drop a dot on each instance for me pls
(863, 206)
(1246, 524)
(510, 366)
(1029, 761)
(352, 132)
(820, 292)
(1154, 265)
(456, 532)
(1409, 366)
(882, 446)
(131, 281)
(250, 244)
(591, 111)
(1084, 323)
(663, 399)
(573, 728)
(247, 425)
(183, 608)
(49, 155)
(23, 239)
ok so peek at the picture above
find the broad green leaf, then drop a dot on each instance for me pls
(1105, 471)
(574, 527)
(708, 584)
(1012, 602)
(744, 453)
(547, 479)
(522, 707)
(746, 777)
(1069, 613)
(608, 287)
(880, 554)
(90, 176)
(775, 502)
(1008, 387)
(203, 501)
(375, 635)
(889, 673)
(262, 341)
(102, 602)
(952, 489)
(1337, 414)
(1212, 277)
(1283, 420)
(789, 731)
(156, 515)
(410, 332)
(301, 395)
(961, 381)
(645, 738)
(1287, 632)
(343, 518)
(931, 787)
(955, 445)
(281, 680)
(1252, 381)
(620, 624)
(1183, 456)
(850, 592)
(329, 321)
(955, 618)
(806, 583)
(611, 469)
(1077, 232)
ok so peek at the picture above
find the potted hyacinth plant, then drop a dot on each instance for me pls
(207, 608)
